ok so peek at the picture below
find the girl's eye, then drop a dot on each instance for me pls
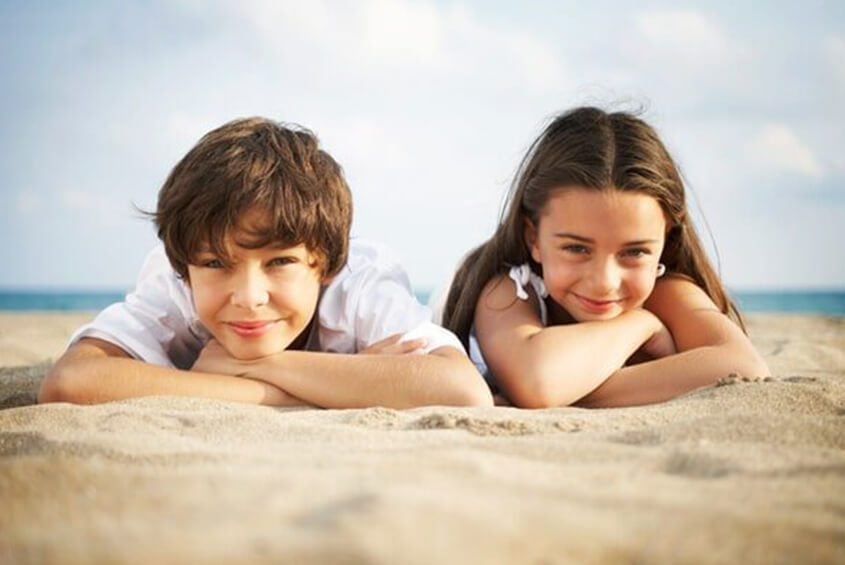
(281, 261)
(636, 252)
(576, 249)
(212, 264)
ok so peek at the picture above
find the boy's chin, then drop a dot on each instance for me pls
(251, 353)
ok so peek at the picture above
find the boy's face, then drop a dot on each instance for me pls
(261, 303)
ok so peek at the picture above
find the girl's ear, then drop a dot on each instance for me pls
(531, 240)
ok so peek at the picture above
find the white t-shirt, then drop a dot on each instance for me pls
(369, 300)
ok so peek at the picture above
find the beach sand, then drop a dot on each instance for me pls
(743, 472)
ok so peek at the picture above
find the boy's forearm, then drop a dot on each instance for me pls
(104, 379)
(332, 380)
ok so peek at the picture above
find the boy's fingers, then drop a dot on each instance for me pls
(412, 345)
(389, 340)
(382, 345)
(392, 346)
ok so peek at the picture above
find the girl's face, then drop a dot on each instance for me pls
(599, 250)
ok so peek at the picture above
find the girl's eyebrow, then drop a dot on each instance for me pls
(576, 237)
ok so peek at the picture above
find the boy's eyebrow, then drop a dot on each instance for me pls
(577, 237)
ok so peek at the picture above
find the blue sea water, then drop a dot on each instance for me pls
(828, 302)
(58, 300)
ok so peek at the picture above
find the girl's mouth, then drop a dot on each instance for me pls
(596, 306)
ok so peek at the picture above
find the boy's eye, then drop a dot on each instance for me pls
(212, 264)
(281, 261)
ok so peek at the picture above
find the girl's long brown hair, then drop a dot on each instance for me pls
(593, 149)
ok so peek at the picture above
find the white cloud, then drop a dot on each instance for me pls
(29, 201)
(95, 207)
(184, 130)
(778, 148)
(374, 36)
(682, 35)
(835, 46)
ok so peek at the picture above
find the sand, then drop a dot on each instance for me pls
(744, 472)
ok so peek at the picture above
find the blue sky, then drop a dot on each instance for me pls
(429, 107)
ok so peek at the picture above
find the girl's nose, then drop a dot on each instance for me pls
(605, 278)
(250, 290)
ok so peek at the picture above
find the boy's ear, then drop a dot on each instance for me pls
(317, 261)
(530, 232)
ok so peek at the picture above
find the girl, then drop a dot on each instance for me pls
(595, 288)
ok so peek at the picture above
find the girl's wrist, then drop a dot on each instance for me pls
(650, 323)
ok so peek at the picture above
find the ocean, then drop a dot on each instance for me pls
(826, 302)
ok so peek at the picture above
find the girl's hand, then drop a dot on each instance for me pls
(392, 346)
(660, 344)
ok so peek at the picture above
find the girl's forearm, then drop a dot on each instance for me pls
(663, 379)
(564, 363)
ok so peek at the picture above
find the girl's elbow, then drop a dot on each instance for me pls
(747, 362)
(534, 390)
(754, 367)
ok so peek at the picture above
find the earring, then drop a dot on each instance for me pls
(661, 270)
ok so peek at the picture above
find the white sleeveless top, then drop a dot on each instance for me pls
(521, 276)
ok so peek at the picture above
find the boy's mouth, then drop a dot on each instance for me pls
(251, 329)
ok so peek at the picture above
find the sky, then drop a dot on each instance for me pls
(429, 107)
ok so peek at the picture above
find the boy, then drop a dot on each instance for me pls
(256, 294)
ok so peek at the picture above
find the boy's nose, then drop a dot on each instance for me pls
(250, 291)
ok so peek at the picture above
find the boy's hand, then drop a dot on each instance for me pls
(392, 346)
(215, 359)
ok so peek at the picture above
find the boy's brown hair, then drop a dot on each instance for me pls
(248, 164)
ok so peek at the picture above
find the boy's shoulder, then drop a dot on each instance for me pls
(367, 254)
(369, 263)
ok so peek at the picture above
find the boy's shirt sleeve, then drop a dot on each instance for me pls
(156, 322)
(370, 300)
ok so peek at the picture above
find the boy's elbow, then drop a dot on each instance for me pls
(470, 389)
(60, 385)
(477, 395)
(50, 389)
